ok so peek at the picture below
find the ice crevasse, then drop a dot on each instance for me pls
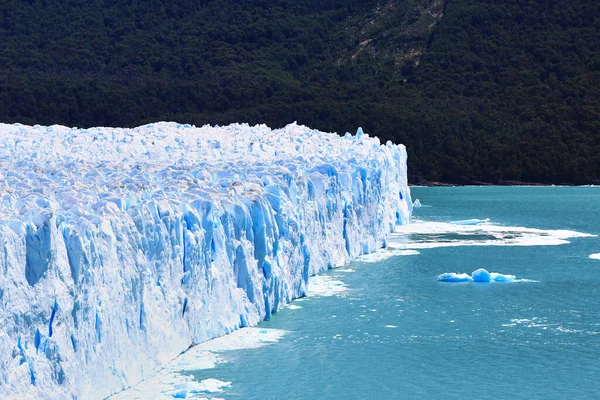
(121, 248)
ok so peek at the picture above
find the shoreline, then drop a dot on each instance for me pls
(503, 183)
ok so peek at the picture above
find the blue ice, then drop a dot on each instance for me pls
(480, 275)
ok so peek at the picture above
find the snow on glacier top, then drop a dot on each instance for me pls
(86, 173)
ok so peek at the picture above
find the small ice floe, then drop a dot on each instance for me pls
(475, 232)
(595, 256)
(473, 221)
(454, 277)
(417, 203)
(480, 275)
(294, 307)
(325, 285)
(211, 385)
(391, 326)
(384, 254)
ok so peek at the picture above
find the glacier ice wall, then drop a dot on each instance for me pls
(121, 248)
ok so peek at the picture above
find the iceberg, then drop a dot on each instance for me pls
(479, 275)
(595, 256)
(497, 277)
(122, 248)
(454, 277)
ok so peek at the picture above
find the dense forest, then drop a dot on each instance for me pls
(478, 90)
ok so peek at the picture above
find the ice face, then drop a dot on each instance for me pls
(121, 248)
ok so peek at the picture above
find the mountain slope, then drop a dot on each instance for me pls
(477, 89)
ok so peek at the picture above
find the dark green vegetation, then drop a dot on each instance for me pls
(492, 90)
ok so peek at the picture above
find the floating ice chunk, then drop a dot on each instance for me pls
(420, 235)
(595, 256)
(384, 254)
(473, 221)
(198, 360)
(212, 386)
(391, 326)
(325, 285)
(496, 277)
(294, 307)
(454, 277)
(417, 204)
(480, 275)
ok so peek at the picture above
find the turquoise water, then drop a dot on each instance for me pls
(399, 333)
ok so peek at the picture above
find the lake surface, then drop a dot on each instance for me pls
(389, 329)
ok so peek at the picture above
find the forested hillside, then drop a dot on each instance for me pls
(478, 90)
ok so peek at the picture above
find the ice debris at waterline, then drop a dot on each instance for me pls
(121, 248)
(480, 275)
(595, 256)
(384, 254)
(175, 380)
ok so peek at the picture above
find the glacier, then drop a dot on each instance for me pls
(122, 248)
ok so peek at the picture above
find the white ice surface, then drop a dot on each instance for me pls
(470, 221)
(426, 234)
(325, 285)
(384, 254)
(121, 248)
(595, 256)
